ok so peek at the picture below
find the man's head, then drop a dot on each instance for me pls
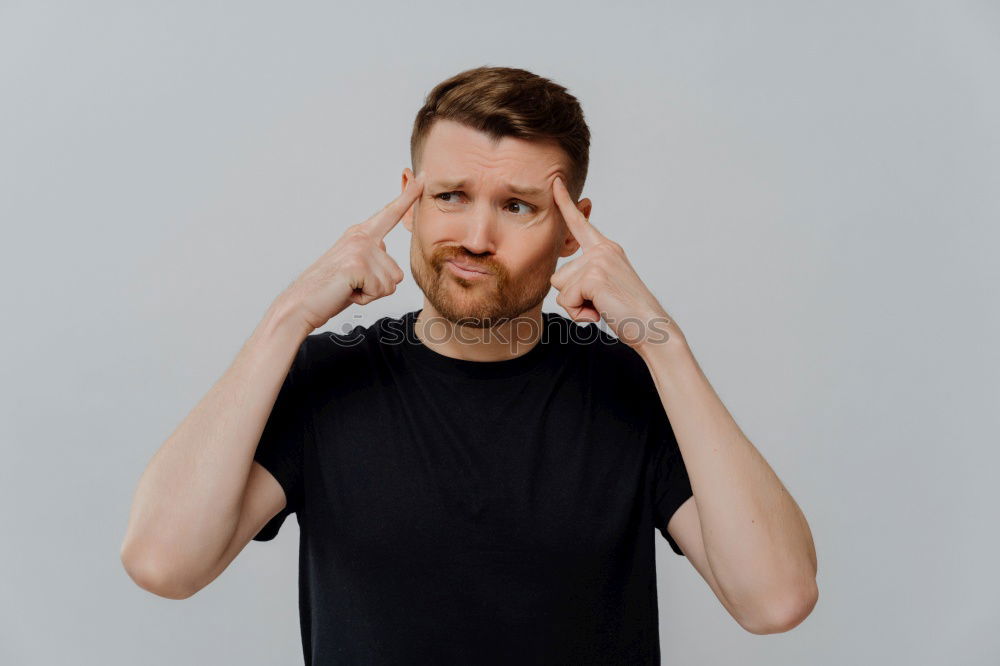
(480, 136)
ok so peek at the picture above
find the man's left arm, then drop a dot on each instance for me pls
(756, 540)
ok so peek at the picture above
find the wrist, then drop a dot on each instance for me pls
(283, 318)
(662, 337)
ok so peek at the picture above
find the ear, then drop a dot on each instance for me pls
(570, 244)
(407, 218)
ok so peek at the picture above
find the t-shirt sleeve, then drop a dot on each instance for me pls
(281, 445)
(671, 485)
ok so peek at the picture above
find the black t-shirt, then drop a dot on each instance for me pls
(465, 512)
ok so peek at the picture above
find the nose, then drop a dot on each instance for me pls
(480, 231)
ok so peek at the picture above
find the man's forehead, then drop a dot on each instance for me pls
(533, 178)
(456, 156)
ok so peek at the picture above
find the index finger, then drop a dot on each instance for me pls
(583, 231)
(382, 222)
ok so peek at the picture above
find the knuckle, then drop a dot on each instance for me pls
(359, 233)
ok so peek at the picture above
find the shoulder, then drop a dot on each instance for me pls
(603, 349)
(333, 353)
(584, 339)
(615, 375)
(352, 336)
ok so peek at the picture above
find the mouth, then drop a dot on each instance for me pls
(466, 271)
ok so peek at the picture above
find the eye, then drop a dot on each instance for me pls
(529, 208)
(450, 202)
(447, 201)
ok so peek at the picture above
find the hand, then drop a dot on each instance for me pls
(356, 269)
(602, 282)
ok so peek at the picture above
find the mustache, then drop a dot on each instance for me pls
(465, 258)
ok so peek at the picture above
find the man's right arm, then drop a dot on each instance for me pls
(202, 497)
(186, 511)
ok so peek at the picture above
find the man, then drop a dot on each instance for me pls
(477, 481)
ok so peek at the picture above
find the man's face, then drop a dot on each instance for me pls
(470, 212)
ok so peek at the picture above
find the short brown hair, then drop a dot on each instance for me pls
(505, 101)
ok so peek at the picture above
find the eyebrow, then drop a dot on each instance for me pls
(520, 190)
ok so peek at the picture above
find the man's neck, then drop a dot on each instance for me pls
(501, 342)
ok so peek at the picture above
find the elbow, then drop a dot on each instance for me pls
(788, 615)
(153, 577)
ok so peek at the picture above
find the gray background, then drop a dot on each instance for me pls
(809, 188)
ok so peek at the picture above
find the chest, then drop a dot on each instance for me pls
(430, 466)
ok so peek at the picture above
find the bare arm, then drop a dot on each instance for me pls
(202, 497)
(756, 540)
(171, 538)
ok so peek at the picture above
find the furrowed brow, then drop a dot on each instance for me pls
(525, 191)
(521, 191)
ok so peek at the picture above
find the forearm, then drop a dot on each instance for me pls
(757, 540)
(187, 503)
